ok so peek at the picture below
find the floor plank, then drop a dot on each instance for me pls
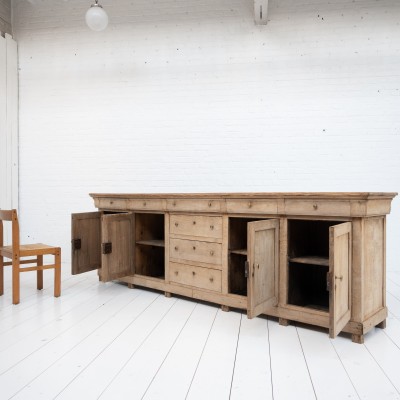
(367, 376)
(386, 354)
(324, 363)
(79, 351)
(32, 364)
(142, 366)
(51, 309)
(173, 379)
(393, 329)
(213, 377)
(252, 373)
(95, 377)
(290, 376)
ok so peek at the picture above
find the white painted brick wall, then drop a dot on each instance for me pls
(185, 95)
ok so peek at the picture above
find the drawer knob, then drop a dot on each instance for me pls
(211, 279)
(176, 224)
(315, 206)
(249, 204)
(144, 204)
(176, 272)
(174, 203)
(212, 227)
(194, 273)
(212, 252)
(111, 202)
(194, 247)
(176, 248)
(194, 222)
(209, 204)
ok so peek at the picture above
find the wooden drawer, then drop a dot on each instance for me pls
(198, 277)
(252, 206)
(146, 204)
(317, 207)
(196, 225)
(111, 204)
(194, 250)
(194, 205)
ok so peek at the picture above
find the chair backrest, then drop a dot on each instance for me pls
(10, 215)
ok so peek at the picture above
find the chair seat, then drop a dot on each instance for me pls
(26, 250)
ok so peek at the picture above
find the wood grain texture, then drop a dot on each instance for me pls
(86, 227)
(210, 238)
(263, 246)
(118, 229)
(340, 277)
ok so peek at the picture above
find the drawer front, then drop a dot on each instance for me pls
(317, 207)
(252, 206)
(196, 225)
(194, 250)
(147, 204)
(111, 204)
(198, 277)
(194, 205)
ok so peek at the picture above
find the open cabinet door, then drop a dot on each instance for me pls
(339, 277)
(263, 261)
(86, 242)
(117, 246)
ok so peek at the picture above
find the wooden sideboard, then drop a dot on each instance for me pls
(316, 258)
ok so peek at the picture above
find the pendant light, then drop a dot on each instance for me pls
(96, 17)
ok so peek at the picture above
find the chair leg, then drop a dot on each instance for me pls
(1, 276)
(57, 273)
(15, 281)
(39, 278)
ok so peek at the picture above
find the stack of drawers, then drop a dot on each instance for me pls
(196, 251)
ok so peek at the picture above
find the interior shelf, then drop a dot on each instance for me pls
(239, 251)
(152, 242)
(150, 245)
(313, 260)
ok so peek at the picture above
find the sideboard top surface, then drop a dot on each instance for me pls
(340, 204)
(254, 195)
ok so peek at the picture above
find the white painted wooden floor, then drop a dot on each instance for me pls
(105, 341)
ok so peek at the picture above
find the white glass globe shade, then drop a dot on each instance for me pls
(96, 18)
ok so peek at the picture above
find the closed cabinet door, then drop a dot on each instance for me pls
(86, 242)
(105, 242)
(263, 262)
(339, 277)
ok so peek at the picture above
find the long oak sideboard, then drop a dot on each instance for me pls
(316, 258)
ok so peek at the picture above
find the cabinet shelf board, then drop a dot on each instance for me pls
(314, 260)
(239, 251)
(150, 278)
(157, 243)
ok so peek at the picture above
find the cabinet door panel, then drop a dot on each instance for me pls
(117, 246)
(263, 248)
(86, 242)
(340, 277)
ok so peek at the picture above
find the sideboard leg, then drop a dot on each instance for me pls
(284, 322)
(225, 308)
(357, 338)
(131, 286)
(168, 294)
(382, 325)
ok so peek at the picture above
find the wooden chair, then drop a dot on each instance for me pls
(17, 252)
